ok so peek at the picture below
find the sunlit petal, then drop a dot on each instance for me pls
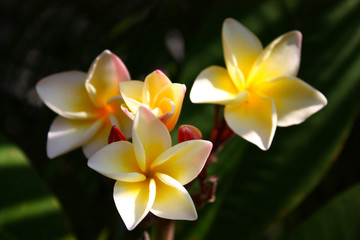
(183, 161)
(153, 84)
(66, 134)
(280, 58)
(241, 48)
(76, 104)
(150, 137)
(213, 85)
(294, 99)
(172, 201)
(117, 161)
(134, 201)
(103, 77)
(254, 120)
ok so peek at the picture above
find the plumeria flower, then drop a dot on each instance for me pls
(158, 94)
(150, 173)
(258, 87)
(88, 105)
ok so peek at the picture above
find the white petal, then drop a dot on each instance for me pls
(280, 58)
(213, 85)
(183, 161)
(65, 94)
(254, 120)
(134, 201)
(172, 201)
(117, 161)
(294, 99)
(66, 135)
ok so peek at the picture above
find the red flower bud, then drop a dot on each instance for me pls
(116, 135)
(188, 132)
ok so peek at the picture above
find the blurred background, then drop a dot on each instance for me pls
(305, 187)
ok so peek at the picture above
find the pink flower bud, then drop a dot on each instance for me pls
(188, 132)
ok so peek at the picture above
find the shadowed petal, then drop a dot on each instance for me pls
(131, 91)
(294, 99)
(66, 135)
(254, 120)
(65, 94)
(103, 77)
(183, 161)
(241, 48)
(117, 161)
(150, 137)
(280, 58)
(175, 93)
(172, 201)
(98, 141)
(134, 201)
(213, 85)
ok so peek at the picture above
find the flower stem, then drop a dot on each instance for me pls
(166, 229)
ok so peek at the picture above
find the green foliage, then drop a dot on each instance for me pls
(27, 209)
(261, 195)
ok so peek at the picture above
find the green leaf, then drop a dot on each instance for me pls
(339, 219)
(27, 208)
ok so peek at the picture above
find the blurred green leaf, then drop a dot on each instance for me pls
(339, 219)
(27, 209)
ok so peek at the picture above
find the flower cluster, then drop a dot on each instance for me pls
(258, 88)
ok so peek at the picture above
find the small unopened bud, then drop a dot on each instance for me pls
(116, 135)
(188, 132)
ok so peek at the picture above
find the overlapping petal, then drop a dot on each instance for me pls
(134, 201)
(169, 100)
(117, 161)
(150, 137)
(280, 58)
(183, 161)
(103, 78)
(76, 104)
(131, 91)
(172, 201)
(65, 134)
(213, 85)
(154, 83)
(294, 99)
(157, 92)
(241, 48)
(255, 120)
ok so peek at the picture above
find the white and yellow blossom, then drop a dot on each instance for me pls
(258, 87)
(88, 105)
(150, 173)
(158, 94)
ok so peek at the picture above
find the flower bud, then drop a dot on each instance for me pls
(116, 135)
(188, 132)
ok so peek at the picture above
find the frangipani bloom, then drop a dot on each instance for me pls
(158, 94)
(150, 173)
(88, 105)
(259, 87)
